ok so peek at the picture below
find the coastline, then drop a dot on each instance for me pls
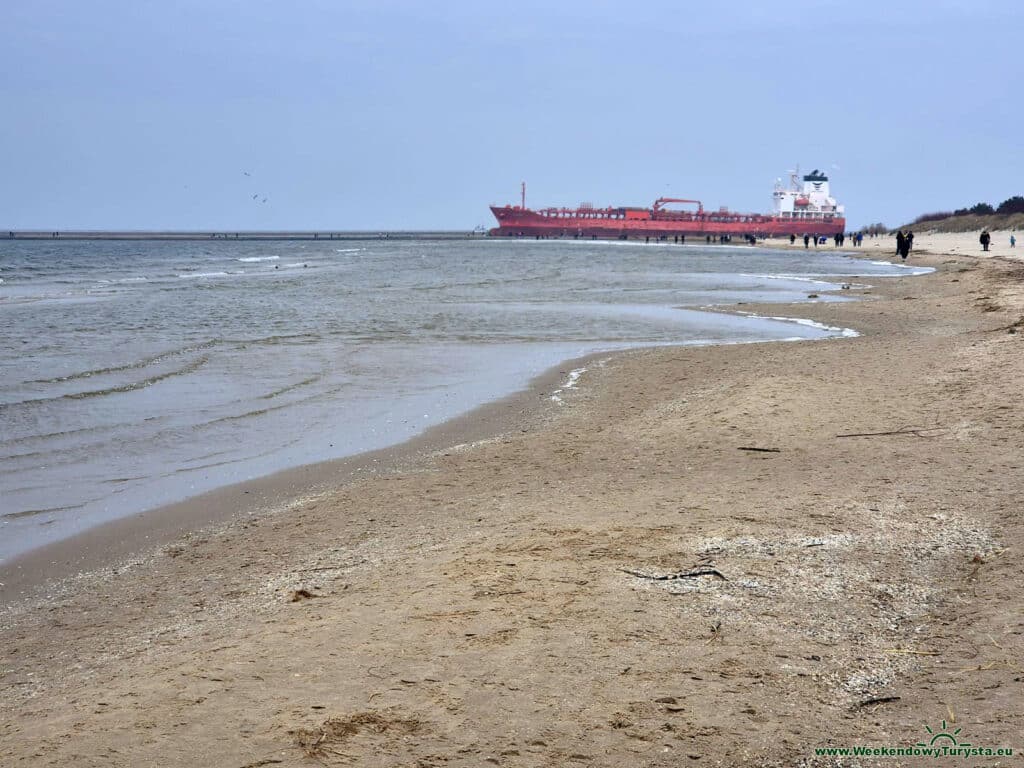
(121, 541)
(132, 539)
(493, 575)
(127, 538)
(158, 454)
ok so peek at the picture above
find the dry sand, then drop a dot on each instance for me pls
(491, 604)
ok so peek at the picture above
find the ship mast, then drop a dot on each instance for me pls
(522, 190)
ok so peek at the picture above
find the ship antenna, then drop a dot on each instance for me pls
(522, 188)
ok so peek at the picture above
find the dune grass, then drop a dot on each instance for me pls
(971, 223)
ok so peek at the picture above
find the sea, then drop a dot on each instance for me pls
(134, 374)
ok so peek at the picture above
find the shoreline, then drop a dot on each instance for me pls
(138, 536)
(503, 602)
(143, 532)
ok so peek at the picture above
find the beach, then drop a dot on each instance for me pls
(716, 555)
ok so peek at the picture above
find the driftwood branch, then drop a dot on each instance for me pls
(915, 431)
(695, 573)
(875, 700)
(759, 450)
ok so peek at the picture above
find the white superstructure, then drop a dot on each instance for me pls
(811, 201)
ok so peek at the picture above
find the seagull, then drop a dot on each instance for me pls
(246, 173)
(255, 196)
(264, 199)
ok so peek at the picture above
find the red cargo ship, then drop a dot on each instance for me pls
(798, 210)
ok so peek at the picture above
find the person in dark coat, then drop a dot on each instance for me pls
(901, 243)
(985, 239)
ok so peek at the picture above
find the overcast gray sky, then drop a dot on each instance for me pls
(392, 115)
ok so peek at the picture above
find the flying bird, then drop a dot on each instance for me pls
(246, 173)
(255, 196)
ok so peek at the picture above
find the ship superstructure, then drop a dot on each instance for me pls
(809, 203)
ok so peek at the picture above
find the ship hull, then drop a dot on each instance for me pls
(514, 221)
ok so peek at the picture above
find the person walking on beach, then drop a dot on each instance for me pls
(985, 239)
(807, 240)
(901, 242)
(1013, 241)
(910, 242)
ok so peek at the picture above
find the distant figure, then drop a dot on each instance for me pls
(792, 238)
(807, 240)
(985, 239)
(910, 242)
(1013, 241)
(816, 239)
(682, 239)
(901, 240)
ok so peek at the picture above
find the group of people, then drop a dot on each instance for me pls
(856, 238)
(904, 242)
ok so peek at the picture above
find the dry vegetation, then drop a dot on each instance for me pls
(970, 223)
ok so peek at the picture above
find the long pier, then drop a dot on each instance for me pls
(215, 236)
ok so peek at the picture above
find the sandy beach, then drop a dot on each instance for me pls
(725, 555)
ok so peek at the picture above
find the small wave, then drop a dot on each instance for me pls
(794, 278)
(349, 250)
(124, 280)
(204, 274)
(290, 387)
(31, 439)
(269, 409)
(129, 387)
(846, 333)
(34, 512)
(146, 361)
(296, 264)
(253, 259)
(287, 338)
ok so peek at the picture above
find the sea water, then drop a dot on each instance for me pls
(138, 373)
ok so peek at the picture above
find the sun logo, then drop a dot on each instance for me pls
(945, 736)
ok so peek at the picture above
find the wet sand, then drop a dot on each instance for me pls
(840, 517)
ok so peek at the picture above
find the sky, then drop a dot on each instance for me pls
(386, 114)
